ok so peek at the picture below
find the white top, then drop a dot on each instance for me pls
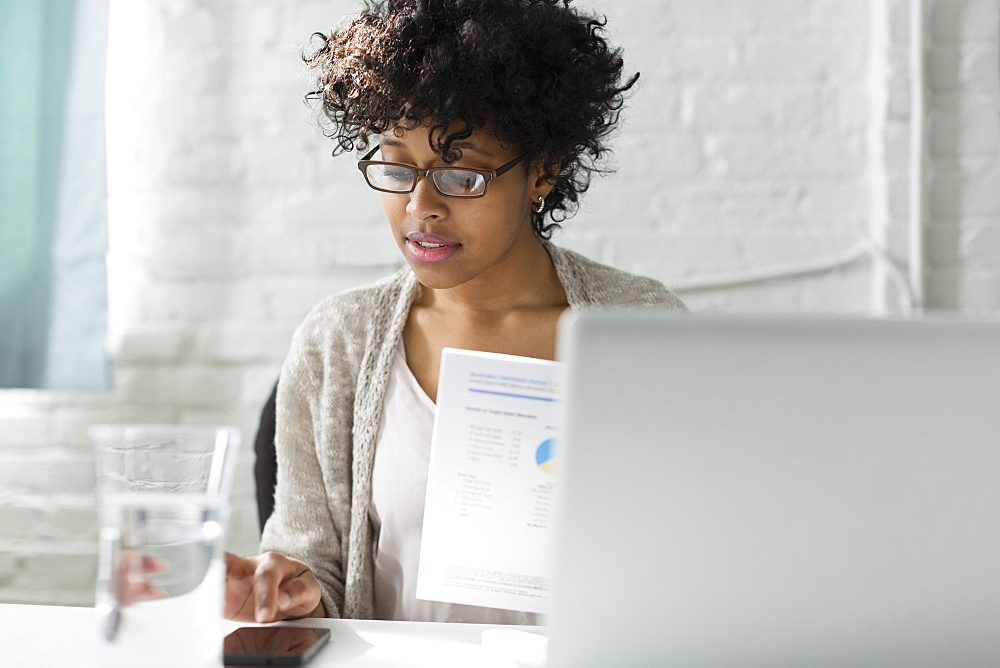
(399, 485)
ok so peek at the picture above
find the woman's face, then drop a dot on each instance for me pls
(450, 241)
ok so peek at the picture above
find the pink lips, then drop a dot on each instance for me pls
(436, 249)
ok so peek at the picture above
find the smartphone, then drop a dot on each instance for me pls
(272, 645)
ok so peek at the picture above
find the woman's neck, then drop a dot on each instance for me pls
(526, 281)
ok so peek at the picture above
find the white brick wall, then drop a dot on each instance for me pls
(746, 145)
(964, 198)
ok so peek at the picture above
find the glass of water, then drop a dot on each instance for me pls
(162, 501)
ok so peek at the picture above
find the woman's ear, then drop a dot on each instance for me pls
(544, 177)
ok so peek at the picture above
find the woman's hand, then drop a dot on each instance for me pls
(270, 587)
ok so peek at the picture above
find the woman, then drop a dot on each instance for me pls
(481, 121)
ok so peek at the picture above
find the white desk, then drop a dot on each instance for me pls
(55, 636)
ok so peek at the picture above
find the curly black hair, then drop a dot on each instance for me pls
(539, 74)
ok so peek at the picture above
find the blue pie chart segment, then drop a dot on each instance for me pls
(545, 456)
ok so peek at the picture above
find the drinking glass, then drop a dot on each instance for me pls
(163, 502)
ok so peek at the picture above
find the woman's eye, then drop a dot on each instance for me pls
(463, 182)
(396, 174)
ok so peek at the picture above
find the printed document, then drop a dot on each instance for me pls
(486, 535)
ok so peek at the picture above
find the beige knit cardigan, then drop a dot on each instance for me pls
(329, 406)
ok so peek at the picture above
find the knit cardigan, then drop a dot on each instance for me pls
(329, 406)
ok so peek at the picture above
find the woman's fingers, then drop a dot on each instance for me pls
(272, 569)
(237, 567)
(268, 588)
(241, 599)
(299, 596)
(154, 566)
(285, 588)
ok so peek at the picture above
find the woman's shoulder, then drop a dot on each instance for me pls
(590, 283)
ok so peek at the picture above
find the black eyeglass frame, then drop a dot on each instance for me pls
(485, 173)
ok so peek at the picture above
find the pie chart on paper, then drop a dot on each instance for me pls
(545, 456)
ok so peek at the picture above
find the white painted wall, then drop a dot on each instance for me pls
(755, 139)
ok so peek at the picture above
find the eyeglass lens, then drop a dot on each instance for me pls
(399, 178)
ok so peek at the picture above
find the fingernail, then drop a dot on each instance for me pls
(284, 600)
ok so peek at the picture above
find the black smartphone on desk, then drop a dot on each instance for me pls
(272, 645)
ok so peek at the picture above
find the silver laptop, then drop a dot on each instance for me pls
(778, 492)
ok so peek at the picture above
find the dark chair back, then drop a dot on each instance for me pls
(265, 468)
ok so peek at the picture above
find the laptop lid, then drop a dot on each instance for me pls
(778, 491)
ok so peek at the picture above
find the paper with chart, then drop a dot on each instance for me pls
(486, 535)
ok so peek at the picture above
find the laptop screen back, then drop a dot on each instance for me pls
(745, 490)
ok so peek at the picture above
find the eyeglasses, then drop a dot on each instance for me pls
(394, 177)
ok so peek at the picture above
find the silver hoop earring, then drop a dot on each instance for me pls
(540, 207)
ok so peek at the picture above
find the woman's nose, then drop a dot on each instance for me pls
(425, 201)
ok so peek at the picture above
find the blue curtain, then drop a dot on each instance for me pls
(53, 194)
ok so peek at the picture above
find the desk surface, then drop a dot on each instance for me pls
(56, 636)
